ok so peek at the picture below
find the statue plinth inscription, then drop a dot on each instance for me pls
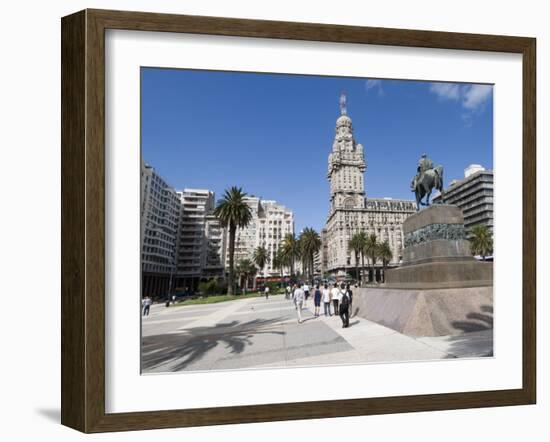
(437, 253)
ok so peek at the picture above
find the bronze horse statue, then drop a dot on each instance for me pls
(423, 185)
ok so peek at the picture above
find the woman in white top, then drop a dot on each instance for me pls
(336, 295)
(326, 300)
(299, 301)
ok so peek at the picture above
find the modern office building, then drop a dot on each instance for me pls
(350, 211)
(160, 208)
(473, 194)
(216, 235)
(269, 224)
(201, 239)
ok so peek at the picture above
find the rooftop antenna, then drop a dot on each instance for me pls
(343, 103)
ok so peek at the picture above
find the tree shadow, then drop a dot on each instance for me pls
(193, 344)
(476, 339)
(476, 321)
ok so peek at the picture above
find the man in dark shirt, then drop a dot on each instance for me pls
(344, 306)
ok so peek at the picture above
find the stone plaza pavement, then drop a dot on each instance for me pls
(260, 333)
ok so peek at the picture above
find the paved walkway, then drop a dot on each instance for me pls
(255, 332)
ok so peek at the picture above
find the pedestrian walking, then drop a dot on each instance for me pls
(317, 300)
(299, 301)
(288, 292)
(305, 288)
(266, 291)
(326, 300)
(335, 292)
(146, 304)
(344, 307)
(350, 293)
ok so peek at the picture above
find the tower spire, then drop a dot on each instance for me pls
(343, 103)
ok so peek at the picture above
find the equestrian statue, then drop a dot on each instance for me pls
(426, 179)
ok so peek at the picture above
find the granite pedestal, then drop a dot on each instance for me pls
(437, 253)
(440, 289)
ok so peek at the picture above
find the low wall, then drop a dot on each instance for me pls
(434, 312)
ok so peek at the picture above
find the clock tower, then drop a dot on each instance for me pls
(346, 165)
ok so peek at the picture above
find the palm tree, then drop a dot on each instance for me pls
(233, 212)
(362, 239)
(385, 254)
(261, 258)
(481, 241)
(245, 269)
(356, 246)
(371, 250)
(291, 250)
(310, 243)
(284, 259)
(277, 264)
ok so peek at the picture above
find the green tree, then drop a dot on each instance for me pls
(260, 257)
(291, 250)
(233, 212)
(362, 240)
(385, 254)
(356, 245)
(371, 251)
(481, 241)
(284, 260)
(245, 269)
(310, 243)
(278, 263)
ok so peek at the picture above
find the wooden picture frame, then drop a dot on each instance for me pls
(83, 220)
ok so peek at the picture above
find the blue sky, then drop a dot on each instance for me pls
(271, 134)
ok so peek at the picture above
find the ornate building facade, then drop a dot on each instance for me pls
(350, 211)
(270, 223)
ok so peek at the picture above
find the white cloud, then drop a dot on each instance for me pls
(374, 84)
(446, 91)
(476, 95)
(472, 97)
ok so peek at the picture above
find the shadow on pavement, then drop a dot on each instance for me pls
(192, 344)
(477, 337)
(476, 321)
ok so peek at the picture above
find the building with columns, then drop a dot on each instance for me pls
(351, 211)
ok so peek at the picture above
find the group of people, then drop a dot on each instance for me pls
(340, 296)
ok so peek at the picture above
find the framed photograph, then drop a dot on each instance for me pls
(268, 221)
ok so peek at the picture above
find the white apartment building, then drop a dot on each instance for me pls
(160, 208)
(269, 224)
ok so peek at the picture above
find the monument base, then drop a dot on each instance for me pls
(446, 274)
(436, 312)
(437, 253)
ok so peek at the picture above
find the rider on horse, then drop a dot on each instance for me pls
(427, 178)
(424, 164)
